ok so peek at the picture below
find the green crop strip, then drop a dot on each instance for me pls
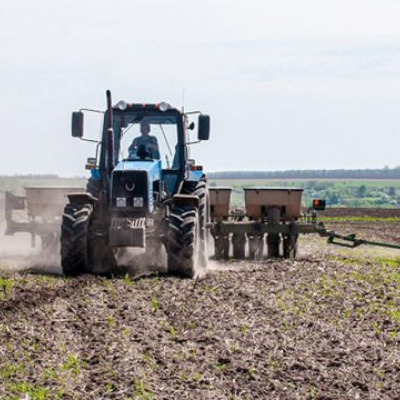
(382, 262)
(358, 219)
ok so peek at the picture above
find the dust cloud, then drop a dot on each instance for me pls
(17, 254)
(136, 262)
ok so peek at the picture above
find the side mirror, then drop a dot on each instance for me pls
(77, 124)
(204, 127)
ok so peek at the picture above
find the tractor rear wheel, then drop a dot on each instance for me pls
(75, 257)
(185, 247)
(200, 190)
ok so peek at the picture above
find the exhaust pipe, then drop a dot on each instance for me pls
(110, 134)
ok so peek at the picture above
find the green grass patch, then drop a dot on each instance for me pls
(5, 287)
(18, 388)
(363, 287)
(358, 219)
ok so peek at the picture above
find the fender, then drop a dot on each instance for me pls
(185, 200)
(194, 176)
(82, 198)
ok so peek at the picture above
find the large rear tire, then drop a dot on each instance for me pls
(200, 190)
(184, 244)
(75, 257)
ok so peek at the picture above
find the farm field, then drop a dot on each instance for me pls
(323, 326)
(359, 193)
(380, 183)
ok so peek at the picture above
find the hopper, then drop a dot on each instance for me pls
(260, 200)
(220, 200)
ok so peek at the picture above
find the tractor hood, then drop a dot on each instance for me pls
(133, 184)
(153, 167)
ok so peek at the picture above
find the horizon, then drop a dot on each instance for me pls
(50, 175)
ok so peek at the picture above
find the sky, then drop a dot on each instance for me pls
(288, 84)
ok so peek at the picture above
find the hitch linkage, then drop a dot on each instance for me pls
(351, 241)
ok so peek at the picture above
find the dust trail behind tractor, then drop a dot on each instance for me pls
(38, 213)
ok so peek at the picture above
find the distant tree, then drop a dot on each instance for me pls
(361, 191)
(311, 184)
(392, 191)
(323, 185)
(332, 198)
(383, 173)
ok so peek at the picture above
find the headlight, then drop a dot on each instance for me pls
(122, 105)
(163, 106)
(121, 201)
(138, 202)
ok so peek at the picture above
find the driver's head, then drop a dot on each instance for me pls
(144, 128)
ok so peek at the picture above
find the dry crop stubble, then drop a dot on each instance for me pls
(323, 326)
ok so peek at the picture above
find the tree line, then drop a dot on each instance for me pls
(383, 173)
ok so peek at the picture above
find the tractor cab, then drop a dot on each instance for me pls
(146, 138)
(144, 190)
(155, 134)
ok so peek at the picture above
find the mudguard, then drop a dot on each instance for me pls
(194, 176)
(185, 200)
(82, 198)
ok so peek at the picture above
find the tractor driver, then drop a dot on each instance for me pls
(145, 146)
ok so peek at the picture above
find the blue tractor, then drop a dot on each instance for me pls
(144, 191)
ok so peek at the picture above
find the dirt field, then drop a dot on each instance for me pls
(325, 326)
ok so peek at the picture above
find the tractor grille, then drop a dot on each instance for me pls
(131, 186)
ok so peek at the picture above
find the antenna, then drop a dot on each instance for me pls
(183, 98)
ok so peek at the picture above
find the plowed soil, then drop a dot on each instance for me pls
(324, 326)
